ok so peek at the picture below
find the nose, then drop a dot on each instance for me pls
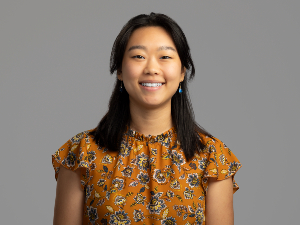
(152, 67)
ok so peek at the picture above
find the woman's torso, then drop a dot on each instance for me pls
(149, 181)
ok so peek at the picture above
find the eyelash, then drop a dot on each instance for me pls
(140, 55)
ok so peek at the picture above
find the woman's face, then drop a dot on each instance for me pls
(151, 68)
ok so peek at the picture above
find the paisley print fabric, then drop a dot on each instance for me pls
(148, 181)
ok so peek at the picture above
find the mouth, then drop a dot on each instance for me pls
(152, 84)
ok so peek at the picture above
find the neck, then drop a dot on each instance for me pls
(151, 121)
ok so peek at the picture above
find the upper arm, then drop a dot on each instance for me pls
(69, 198)
(219, 202)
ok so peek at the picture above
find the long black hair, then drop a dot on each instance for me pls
(113, 125)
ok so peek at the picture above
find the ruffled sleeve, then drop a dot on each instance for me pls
(221, 163)
(75, 154)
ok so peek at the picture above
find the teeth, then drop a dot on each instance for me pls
(151, 84)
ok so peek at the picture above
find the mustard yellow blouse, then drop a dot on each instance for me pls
(149, 181)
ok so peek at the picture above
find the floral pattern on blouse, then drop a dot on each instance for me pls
(148, 181)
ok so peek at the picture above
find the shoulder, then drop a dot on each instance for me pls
(211, 143)
(84, 136)
(217, 152)
(74, 148)
(217, 160)
(78, 152)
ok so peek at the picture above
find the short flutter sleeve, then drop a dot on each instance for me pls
(220, 162)
(75, 154)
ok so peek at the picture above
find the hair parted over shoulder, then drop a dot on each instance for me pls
(112, 126)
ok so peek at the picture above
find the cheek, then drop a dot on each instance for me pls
(173, 73)
(131, 71)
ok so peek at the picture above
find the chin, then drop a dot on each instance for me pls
(156, 104)
(150, 102)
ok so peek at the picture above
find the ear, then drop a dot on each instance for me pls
(182, 74)
(119, 74)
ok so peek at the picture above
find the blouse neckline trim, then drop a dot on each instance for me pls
(152, 138)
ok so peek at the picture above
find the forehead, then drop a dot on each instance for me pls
(150, 37)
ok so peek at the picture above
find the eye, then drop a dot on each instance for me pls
(166, 56)
(137, 56)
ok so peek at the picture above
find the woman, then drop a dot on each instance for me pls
(147, 161)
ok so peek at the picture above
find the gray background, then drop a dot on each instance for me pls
(55, 82)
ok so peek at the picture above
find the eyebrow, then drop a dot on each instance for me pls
(158, 49)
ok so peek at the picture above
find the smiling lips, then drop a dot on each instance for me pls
(151, 84)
